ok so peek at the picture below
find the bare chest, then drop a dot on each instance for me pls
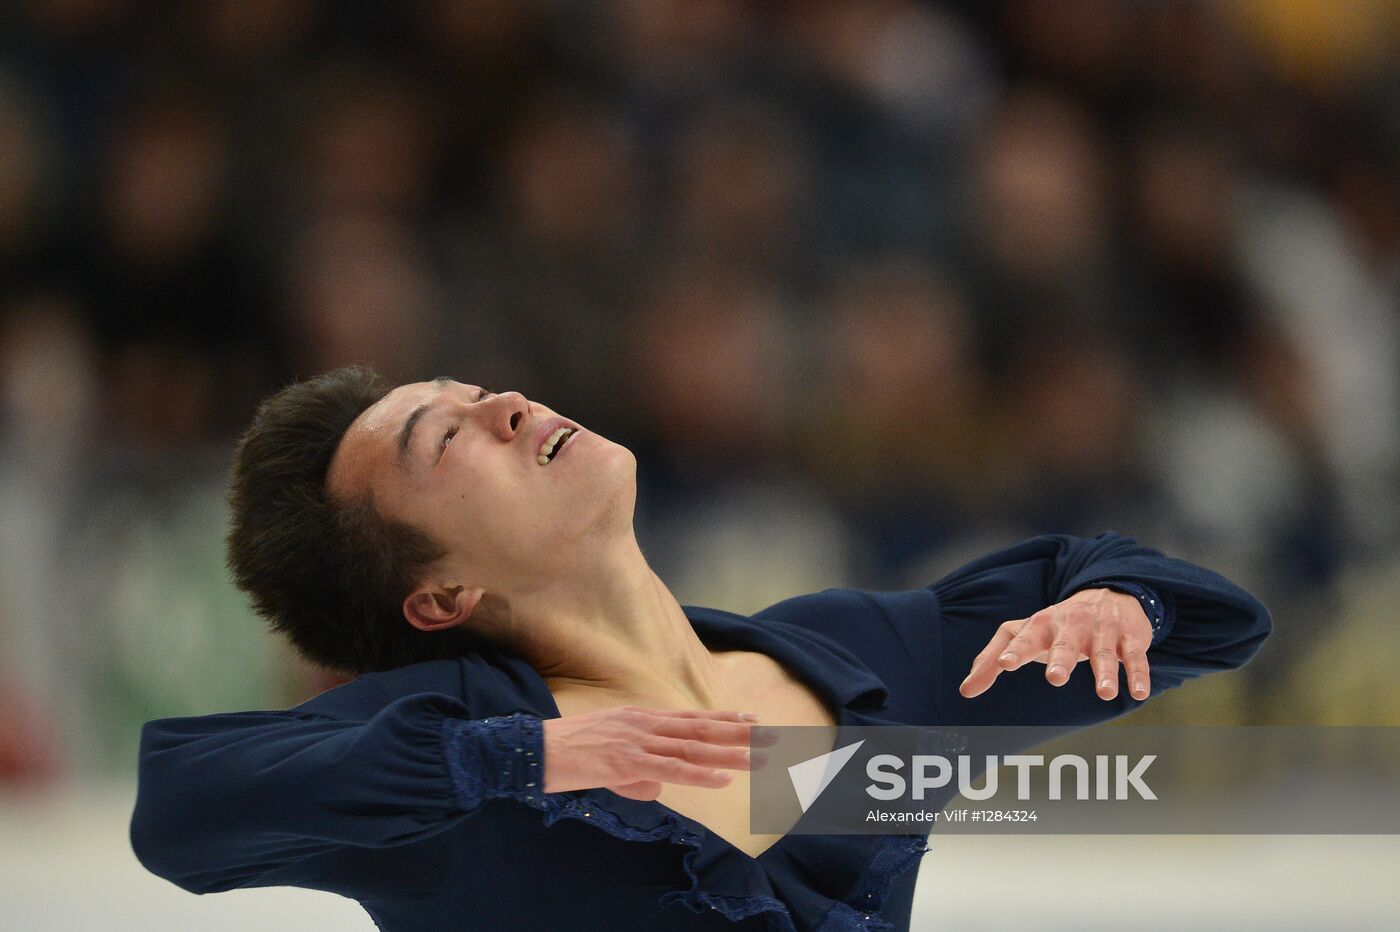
(755, 682)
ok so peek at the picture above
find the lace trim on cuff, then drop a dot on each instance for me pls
(501, 757)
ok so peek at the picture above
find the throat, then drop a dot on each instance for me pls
(692, 677)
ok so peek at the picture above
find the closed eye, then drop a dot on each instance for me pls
(452, 431)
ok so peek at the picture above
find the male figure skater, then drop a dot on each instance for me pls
(540, 736)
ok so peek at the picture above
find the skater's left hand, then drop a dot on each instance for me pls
(1098, 625)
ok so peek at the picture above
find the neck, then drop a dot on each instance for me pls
(609, 628)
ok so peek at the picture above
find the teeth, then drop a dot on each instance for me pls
(548, 447)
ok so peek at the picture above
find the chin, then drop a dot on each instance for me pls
(619, 496)
(614, 455)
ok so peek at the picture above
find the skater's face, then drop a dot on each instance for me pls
(462, 463)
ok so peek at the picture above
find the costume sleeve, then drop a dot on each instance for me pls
(245, 799)
(1202, 622)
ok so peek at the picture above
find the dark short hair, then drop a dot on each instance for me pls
(330, 575)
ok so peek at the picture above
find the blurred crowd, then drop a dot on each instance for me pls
(869, 287)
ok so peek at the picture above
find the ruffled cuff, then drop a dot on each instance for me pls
(1159, 606)
(495, 758)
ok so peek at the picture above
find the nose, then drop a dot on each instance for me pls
(506, 414)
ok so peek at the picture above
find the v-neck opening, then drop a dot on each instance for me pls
(816, 689)
(722, 876)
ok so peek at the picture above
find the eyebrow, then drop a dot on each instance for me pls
(406, 432)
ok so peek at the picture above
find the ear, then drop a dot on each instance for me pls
(433, 607)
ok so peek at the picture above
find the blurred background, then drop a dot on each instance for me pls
(869, 287)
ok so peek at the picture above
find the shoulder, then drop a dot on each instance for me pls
(486, 684)
(843, 607)
(365, 695)
(798, 609)
(880, 643)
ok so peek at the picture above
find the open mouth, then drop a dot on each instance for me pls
(554, 444)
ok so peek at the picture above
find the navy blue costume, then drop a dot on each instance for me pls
(416, 791)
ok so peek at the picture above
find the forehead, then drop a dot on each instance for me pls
(370, 444)
(388, 413)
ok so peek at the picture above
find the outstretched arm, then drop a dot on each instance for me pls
(246, 799)
(268, 798)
